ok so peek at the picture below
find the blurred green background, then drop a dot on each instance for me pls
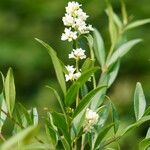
(23, 20)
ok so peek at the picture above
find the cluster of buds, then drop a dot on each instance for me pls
(91, 118)
(75, 22)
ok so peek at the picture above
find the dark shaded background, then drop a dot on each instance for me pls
(23, 20)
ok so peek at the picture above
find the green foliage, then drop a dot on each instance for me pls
(84, 119)
(57, 65)
(19, 139)
(10, 93)
(139, 102)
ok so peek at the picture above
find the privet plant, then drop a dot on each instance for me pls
(84, 121)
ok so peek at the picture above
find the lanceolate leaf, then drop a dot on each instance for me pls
(57, 65)
(61, 124)
(113, 73)
(115, 117)
(4, 108)
(86, 100)
(22, 137)
(72, 91)
(87, 64)
(10, 93)
(101, 135)
(58, 98)
(137, 23)
(122, 50)
(144, 144)
(135, 125)
(99, 48)
(139, 102)
(147, 112)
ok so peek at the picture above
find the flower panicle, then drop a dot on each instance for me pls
(75, 22)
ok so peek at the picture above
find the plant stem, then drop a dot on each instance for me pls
(77, 69)
(17, 123)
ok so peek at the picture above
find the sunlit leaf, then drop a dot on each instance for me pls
(86, 100)
(139, 101)
(137, 23)
(99, 48)
(10, 93)
(101, 135)
(121, 51)
(57, 65)
(135, 125)
(22, 137)
(61, 124)
(3, 116)
(113, 73)
(58, 98)
(115, 117)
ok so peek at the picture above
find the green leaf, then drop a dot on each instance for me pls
(2, 76)
(86, 100)
(35, 116)
(147, 112)
(36, 146)
(22, 137)
(121, 51)
(135, 125)
(148, 133)
(51, 134)
(65, 144)
(99, 48)
(25, 114)
(113, 73)
(10, 93)
(98, 99)
(72, 91)
(58, 98)
(113, 30)
(103, 116)
(3, 116)
(137, 23)
(57, 65)
(116, 20)
(139, 101)
(101, 135)
(88, 63)
(61, 124)
(144, 144)
(124, 12)
(115, 117)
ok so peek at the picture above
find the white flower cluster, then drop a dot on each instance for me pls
(71, 73)
(78, 53)
(91, 119)
(75, 19)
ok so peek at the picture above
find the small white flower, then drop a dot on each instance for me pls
(68, 20)
(69, 35)
(82, 15)
(91, 119)
(78, 53)
(70, 69)
(71, 75)
(72, 7)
